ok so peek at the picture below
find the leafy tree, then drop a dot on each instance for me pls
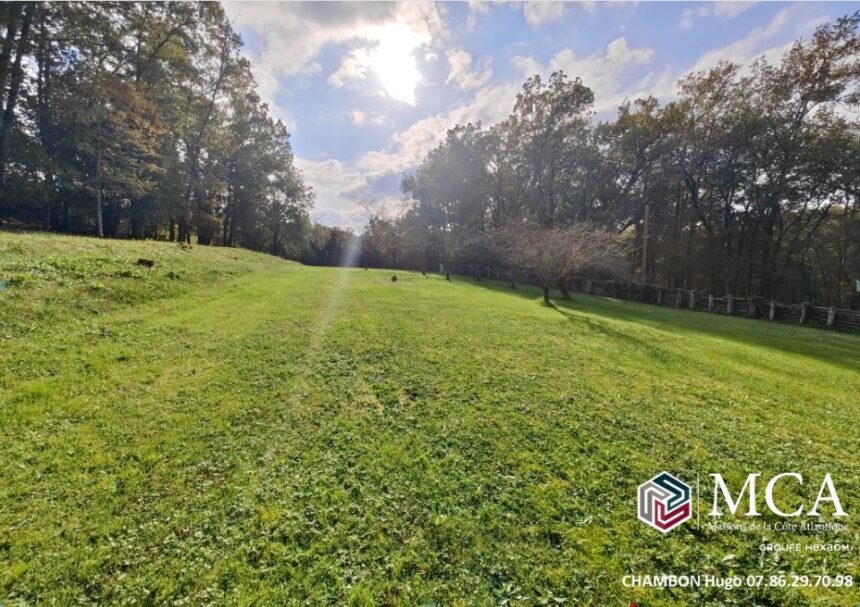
(749, 178)
(142, 120)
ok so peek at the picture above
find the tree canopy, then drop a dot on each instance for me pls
(750, 177)
(141, 119)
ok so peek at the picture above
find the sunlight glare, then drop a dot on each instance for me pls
(393, 61)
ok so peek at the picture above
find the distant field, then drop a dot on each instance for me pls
(230, 428)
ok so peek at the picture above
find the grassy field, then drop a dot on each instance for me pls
(230, 428)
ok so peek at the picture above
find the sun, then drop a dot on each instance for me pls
(393, 62)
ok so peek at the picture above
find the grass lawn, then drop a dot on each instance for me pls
(230, 428)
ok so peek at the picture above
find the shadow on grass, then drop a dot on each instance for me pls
(655, 352)
(832, 347)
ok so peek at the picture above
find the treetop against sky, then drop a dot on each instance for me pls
(368, 88)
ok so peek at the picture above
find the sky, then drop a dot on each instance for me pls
(367, 89)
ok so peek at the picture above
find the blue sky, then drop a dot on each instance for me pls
(368, 88)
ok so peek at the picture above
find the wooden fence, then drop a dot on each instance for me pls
(749, 307)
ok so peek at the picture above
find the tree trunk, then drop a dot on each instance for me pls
(43, 121)
(225, 226)
(137, 219)
(51, 220)
(14, 9)
(100, 230)
(67, 216)
(197, 144)
(564, 287)
(14, 87)
(231, 233)
(112, 217)
(204, 236)
(545, 289)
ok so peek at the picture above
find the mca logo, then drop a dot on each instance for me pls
(664, 502)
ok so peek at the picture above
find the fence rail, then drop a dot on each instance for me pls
(749, 307)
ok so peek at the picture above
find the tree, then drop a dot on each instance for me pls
(554, 254)
(748, 176)
(142, 120)
(546, 136)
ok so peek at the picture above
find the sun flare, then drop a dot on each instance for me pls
(393, 62)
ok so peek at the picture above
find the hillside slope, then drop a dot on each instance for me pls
(230, 428)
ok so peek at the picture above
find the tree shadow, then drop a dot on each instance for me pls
(649, 348)
(833, 347)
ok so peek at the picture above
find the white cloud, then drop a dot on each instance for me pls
(759, 42)
(535, 12)
(529, 66)
(406, 149)
(603, 71)
(291, 35)
(721, 10)
(341, 192)
(477, 6)
(353, 67)
(360, 117)
(463, 75)
(663, 84)
(389, 55)
(749, 47)
(539, 13)
(338, 189)
(730, 10)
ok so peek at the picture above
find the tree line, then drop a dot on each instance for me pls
(747, 183)
(141, 120)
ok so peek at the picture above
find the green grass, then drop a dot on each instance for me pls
(229, 428)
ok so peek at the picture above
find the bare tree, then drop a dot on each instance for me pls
(552, 255)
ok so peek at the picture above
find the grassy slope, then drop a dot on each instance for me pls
(228, 427)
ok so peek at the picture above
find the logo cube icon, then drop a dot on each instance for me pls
(664, 502)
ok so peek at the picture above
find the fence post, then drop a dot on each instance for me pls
(659, 295)
(772, 314)
(692, 300)
(804, 312)
(730, 304)
(678, 298)
(831, 316)
(710, 303)
(751, 309)
(588, 285)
